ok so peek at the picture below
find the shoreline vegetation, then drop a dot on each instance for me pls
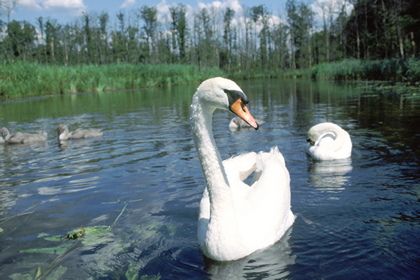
(27, 79)
(146, 47)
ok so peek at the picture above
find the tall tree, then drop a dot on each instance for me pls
(306, 22)
(52, 29)
(381, 29)
(20, 39)
(205, 36)
(300, 18)
(292, 20)
(88, 38)
(226, 57)
(179, 30)
(281, 57)
(149, 16)
(103, 37)
(260, 16)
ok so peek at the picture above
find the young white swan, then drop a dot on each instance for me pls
(23, 138)
(237, 219)
(64, 134)
(328, 141)
(236, 123)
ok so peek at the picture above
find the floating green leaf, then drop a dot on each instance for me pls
(20, 276)
(55, 238)
(97, 235)
(52, 250)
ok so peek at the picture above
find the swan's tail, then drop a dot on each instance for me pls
(265, 158)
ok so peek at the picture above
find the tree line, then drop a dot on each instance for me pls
(250, 42)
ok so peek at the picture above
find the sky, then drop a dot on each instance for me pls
(65, 11)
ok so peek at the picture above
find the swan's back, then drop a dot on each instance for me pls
(64, 134)
(269, 198)
(85, 133)
(263, 208)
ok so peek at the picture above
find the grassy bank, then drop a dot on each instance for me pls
(397, 70)
(19, 80)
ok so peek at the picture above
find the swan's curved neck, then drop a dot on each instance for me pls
(6, 134)
(64, 134)
(219, 191)
(338, 137)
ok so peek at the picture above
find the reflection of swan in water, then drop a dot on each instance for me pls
(271, 263)
(23, 138)
(236, 123)
(64, 134)
(330, 176)
(328, 141)
(236, 219)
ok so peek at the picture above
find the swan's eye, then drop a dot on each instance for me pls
(235, 95)
(243, 107)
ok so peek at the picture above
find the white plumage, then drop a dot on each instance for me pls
(328, 141)
(237, 219)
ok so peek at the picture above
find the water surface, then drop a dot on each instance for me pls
(135, 191)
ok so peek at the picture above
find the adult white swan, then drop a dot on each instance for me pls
(237, 219)
(328, 141)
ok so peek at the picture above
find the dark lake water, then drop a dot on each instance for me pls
(134, 193)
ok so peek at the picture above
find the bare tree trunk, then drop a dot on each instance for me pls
(52, 51)
(413, 43)
(397, 4)
(66, 55)
(366, 36)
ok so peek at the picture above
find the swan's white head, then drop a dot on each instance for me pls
(4, 132)
(62, 128)
(221, 93)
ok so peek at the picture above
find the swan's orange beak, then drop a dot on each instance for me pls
(240, 109)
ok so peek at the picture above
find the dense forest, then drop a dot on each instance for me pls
(250, 42)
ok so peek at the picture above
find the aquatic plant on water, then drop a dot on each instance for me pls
(99, 239)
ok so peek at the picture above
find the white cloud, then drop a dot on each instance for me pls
(324, 8)
(127, 3)
(63, 4)
(164, 14)
(31, 5)
(233, 4)
(72, 7)
(162, 8)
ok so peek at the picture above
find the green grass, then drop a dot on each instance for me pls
(397, 70)
(24, 79)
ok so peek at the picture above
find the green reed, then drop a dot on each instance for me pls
(398, 70)
(23, 79)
